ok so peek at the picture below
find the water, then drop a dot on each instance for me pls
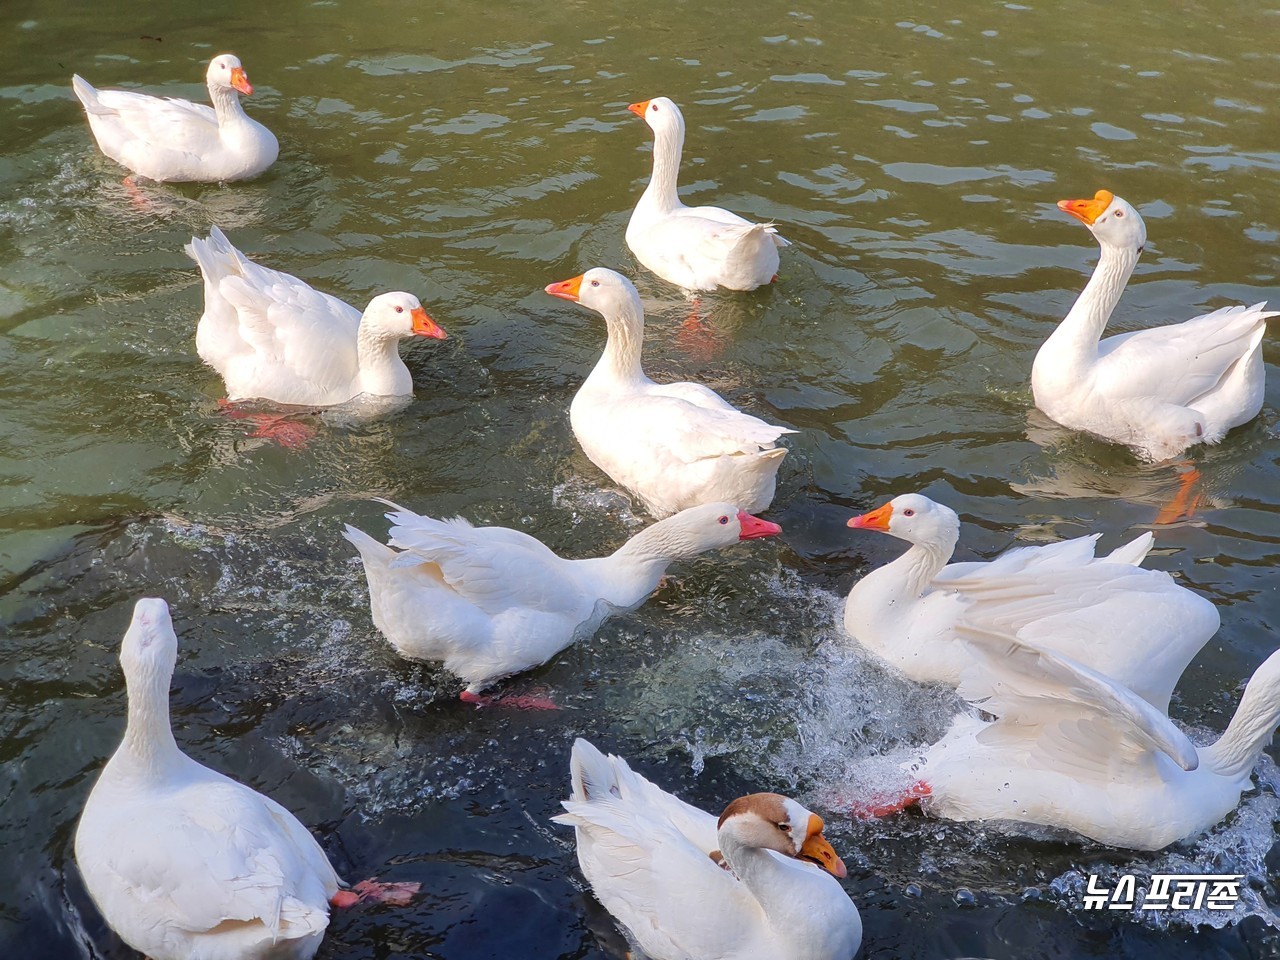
(911, 153)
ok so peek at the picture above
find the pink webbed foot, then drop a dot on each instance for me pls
(278, 427)
(1184, 503)
(396, 894)
(876, 807)
(528, 701)
(137, 198)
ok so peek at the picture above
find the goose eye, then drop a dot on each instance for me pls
(784, 827)
(399, 309)
(724, 520)
(595, 283)
(1119, 214)
(908, 513)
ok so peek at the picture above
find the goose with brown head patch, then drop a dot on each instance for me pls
(647, 855)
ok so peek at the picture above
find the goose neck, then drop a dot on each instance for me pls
(662, 190)
(621, 358)
(382, 372)
(786, 889)
(914, 571)
(635, 569)
(148, 747)
(227, 106)
(1250, 730)
(1080, 330)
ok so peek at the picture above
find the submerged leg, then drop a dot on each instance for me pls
(1184, 503)
(396, 894)
(278, 427)
(517, 701)
(697, 337)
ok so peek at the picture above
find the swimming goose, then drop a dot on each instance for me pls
(1159, 390)
(182, 861)
(1137, 626)
(698, 248)
(273, 337)
(176, 140)
(490, 601)
(1075, 749)
(758, 883)
(673, 445)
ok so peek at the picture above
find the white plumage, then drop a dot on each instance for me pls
(649, 859)
(183, 862)
(673, 445)
(273, 337)
(176, 140)
(1137, 626)
(698, 248)
(490, 601)
(1075, 749)
(1159, 390)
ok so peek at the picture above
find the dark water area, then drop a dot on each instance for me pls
(474, 153)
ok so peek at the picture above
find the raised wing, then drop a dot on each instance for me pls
(494, 568)
(1059, 713)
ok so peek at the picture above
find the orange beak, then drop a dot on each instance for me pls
(639, 108)
(818, 850)
(240, 80)
(424, 326)
(753, 527)
(1087, 211)
(877, 519)
(565, 289)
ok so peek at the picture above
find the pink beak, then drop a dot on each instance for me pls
(753, 527)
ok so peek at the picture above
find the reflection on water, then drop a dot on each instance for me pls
(911, 156)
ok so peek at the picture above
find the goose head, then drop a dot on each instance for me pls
(708, 526)
(774, 822)
(603, 290)
(398, 315)
(150, 647)
(226, 73)
(912, 517)
(1112, 220)
(661, 114)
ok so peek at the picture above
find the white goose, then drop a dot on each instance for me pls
(685, 887)
(673, 445)
(273, 337)
(698, 248)
(182, 861)
(1077, 750)
(1159, 390)
(1135, 625)
(176, 140)
(490, 601)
